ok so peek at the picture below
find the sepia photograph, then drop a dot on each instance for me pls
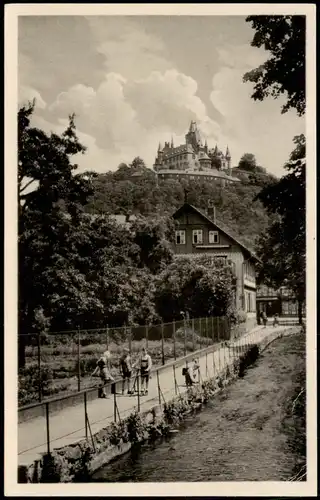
(160, 249)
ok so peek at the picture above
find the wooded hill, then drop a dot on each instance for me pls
(134, 190)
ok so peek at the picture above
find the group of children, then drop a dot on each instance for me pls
(142, 367)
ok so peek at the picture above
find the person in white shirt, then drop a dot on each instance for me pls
(144, 365)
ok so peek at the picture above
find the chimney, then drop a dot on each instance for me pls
(211, 211)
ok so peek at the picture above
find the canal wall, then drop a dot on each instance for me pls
(77, 462)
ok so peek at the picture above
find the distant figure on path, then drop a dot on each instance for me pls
(103, 368)
(144, 364)
(126, 370)
(264, 318)
(276, 320)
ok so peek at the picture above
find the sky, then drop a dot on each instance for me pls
(135, 81)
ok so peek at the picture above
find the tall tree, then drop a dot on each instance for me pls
(51, 198)
(284, 37)
(248, 162)
(283, 247)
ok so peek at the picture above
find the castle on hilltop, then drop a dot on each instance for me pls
(194, 160)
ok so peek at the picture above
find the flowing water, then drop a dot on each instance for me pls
(238, 436)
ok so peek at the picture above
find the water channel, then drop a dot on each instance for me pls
(238, 436)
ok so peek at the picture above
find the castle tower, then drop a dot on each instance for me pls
(193, 136)
(228, 158)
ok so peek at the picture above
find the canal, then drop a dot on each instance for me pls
(245, 434)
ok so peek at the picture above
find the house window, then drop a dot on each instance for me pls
(180, 237)
(197, 236)
(213, 237)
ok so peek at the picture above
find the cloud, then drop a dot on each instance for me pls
(129, 118)
(27, 94)
(127, 48)
(251, 126)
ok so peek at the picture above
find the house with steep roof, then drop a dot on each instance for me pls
(199, 233)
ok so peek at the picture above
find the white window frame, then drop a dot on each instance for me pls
(213, 237)
(181, 233)
(199, 236)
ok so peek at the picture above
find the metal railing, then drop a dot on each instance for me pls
(62, 362)
(213, 359)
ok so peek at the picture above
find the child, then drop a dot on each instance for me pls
(144, 364)
(196, 370)
(104, 373)
(188, 374)
(276, 320)
(126, 370)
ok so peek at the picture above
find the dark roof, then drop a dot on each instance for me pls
(221, 226)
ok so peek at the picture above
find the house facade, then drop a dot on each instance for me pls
(281, 301)
(199, 233)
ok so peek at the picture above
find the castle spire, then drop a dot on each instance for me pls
(228, 155)
(172, 142)
(159, 147)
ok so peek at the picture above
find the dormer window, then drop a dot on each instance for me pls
(197, 236)
(213, 237)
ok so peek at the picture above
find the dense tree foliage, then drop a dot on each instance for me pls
(248, 162)
(283, 247)
(195, 286)
(235, 205)
(284, 37)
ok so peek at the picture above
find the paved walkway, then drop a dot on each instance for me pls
(68, 425)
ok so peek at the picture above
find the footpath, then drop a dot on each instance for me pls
(67, 426)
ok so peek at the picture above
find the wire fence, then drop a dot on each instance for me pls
(165, 382)
(62, 362)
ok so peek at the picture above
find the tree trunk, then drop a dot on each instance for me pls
(21, 351)
(300, 304)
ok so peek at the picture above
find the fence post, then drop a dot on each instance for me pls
(48, 429)
(159, 394)
(147, 334)
(200, 333)
(174, 338)
(212, 330)
(206, 365)
(138, 391)
(193, 343)
(218, 329)
(85, 414)
(39, 367)
(207, 333)
(107, 338)
(213, 363)
(162, 345)
(175, 380)
(79, 367)
(115, 405)
(185, 336)
(129, 339)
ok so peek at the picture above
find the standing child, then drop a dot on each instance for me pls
(276, 320)
(144, 364)
(196, 370)
(103, 368)
(126, 370)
